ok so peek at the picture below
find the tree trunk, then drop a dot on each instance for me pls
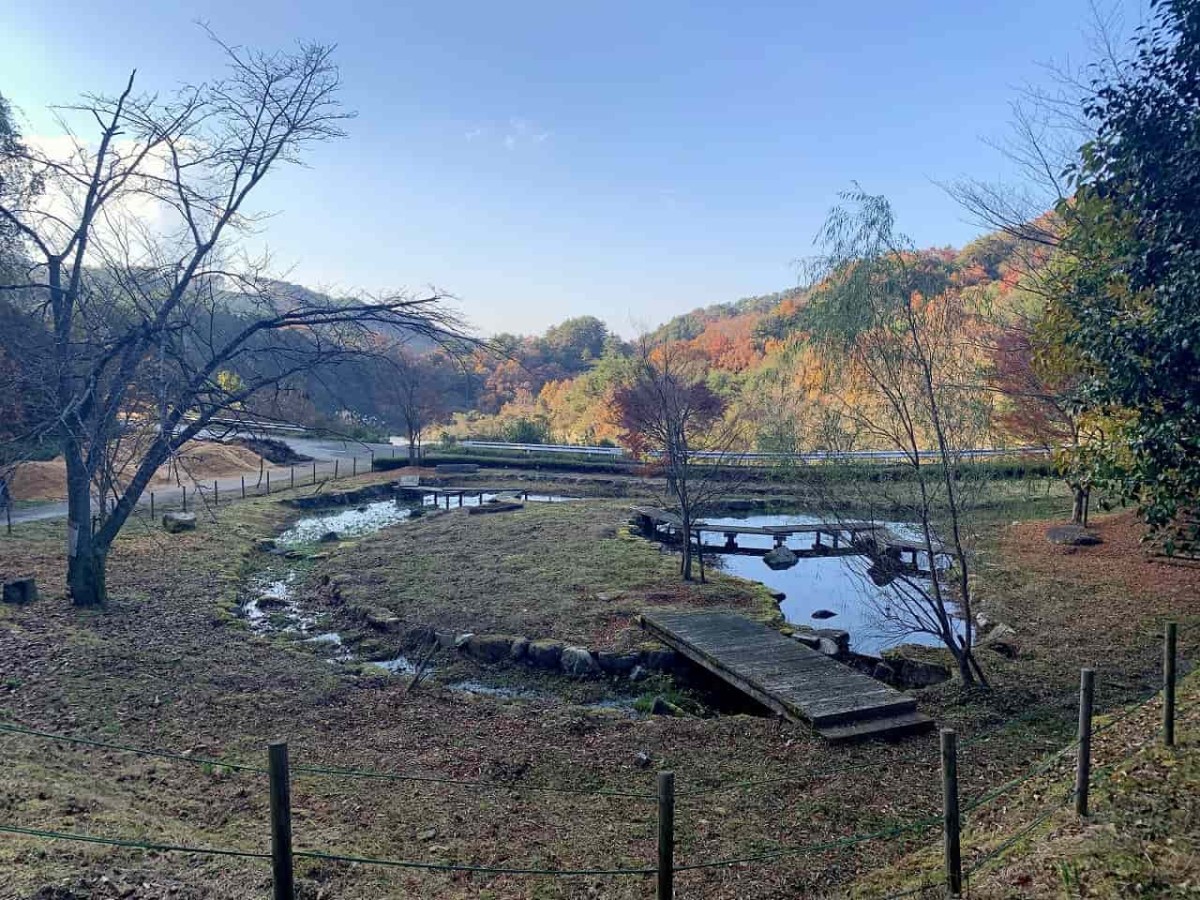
(86, 559)
(86, 574)
(1078, 497)
(685, 563)
(412, 452)
(965, 672)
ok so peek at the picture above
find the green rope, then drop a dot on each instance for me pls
(161, 754)
(1038, 769)
(1004, 847)
(312, 854)
(800, 776)
(433, 779)
(918, 826)
(1034, 713)
(1047, 763)
(315, 770)
(455, 867)
(133, 845)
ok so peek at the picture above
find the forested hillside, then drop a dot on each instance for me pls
(758, 353)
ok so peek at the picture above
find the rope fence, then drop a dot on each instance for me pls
(194, 495)
(954, 877)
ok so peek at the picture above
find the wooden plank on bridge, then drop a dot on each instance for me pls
(788, 678)
(659, 516)
(728, 529)
(822, 528)
(888, 540)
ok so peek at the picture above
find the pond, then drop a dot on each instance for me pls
(842, 585)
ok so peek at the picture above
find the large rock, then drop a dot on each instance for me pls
(175, 522)
(544, 654)
(21, 590)
(579, 661)
(658, 659)
(824, 614)
(809, 639)
(663, 707)
(828, 646)
(614, 663)
(493, 507)
(1002, 639)
(840, 639)
(781, 558)
(382, 619)
(913, 673)
(490, 648)
(1071, 536)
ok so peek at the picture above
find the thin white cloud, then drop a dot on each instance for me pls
(513, 135)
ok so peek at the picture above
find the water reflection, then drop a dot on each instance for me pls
(852, 587)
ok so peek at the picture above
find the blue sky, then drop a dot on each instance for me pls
(631, 160)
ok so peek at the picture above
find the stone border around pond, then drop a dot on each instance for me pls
(544, 654)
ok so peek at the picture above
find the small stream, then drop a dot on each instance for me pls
(271, 606)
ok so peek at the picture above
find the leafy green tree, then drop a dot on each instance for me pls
(1135, 282)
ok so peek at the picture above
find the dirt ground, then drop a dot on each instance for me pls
(169, 664)
(197, 460)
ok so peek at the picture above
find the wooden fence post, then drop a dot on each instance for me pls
(292, 477)
(243, 487)
(1083, 770)
(353, 466)
(666, 836)
(8, 515)
(1170, 637)
(335, 470)
(185, 498)
(951, 825)
(152, 506)
(216, 493)
(314, 471)
(281, 823)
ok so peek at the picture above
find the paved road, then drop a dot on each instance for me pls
(330, 456)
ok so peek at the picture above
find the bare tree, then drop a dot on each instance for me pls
(669, 413)
(157, 318)
(908, 384)
(416, 393)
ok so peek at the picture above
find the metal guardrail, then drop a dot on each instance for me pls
(813, 456)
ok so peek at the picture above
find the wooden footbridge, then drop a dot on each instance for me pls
(651, 518)
(828, 538)
(443, 496)
(785, 676)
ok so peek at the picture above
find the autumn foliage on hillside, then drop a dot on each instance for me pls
(757, 354)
